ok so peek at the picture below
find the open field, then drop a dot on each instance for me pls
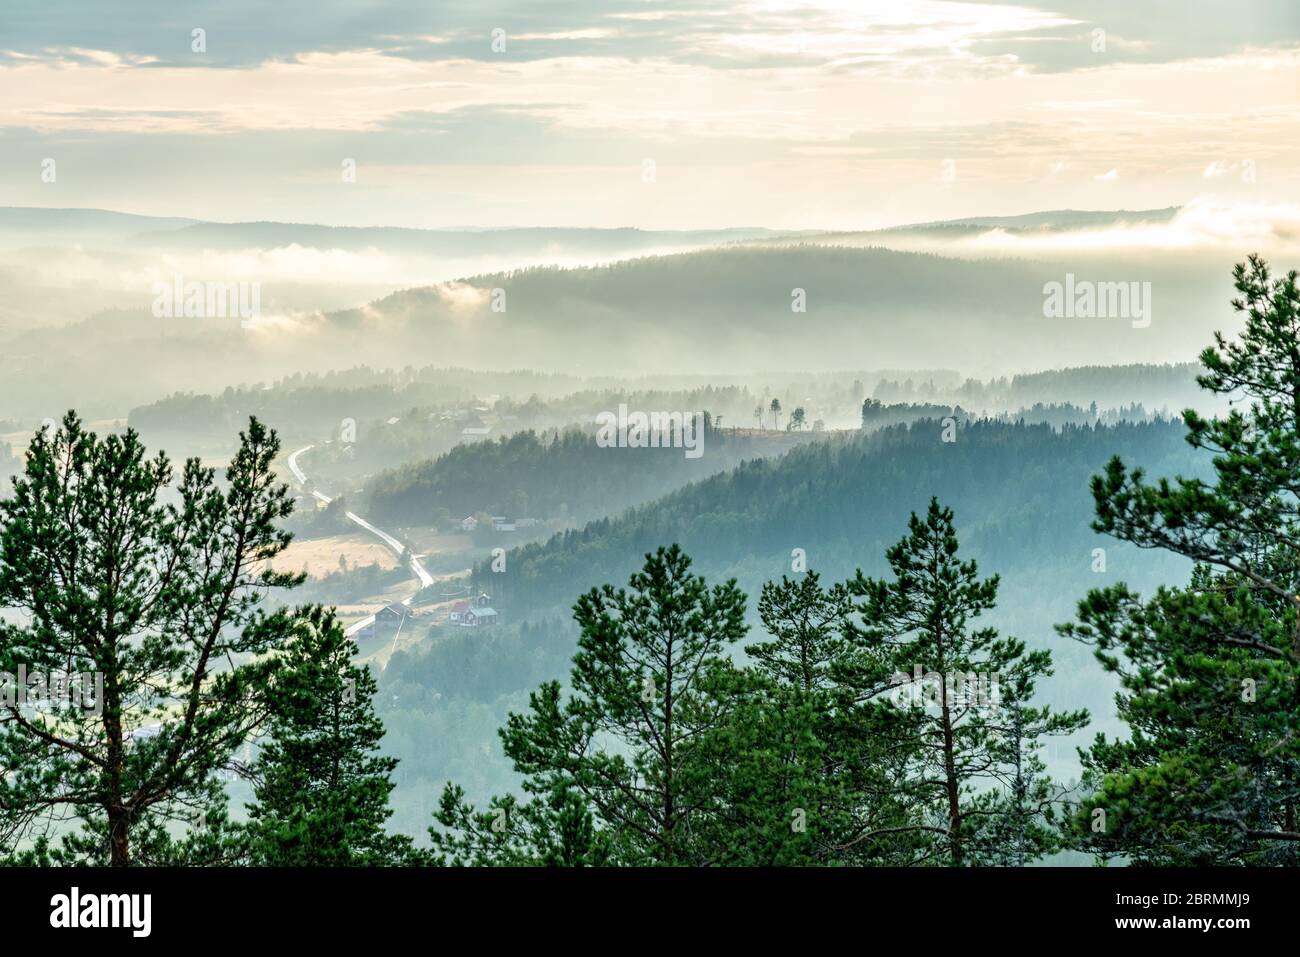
(320, 556)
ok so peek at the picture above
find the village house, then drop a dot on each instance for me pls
(390, 619)
(474, 612)
(479, 617)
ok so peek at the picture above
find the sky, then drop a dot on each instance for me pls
(816, 114)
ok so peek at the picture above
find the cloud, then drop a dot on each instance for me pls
(1034, 36)
(1208, 223)
(754, 110)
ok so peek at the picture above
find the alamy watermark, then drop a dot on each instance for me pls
(960, 689)
(650, 430)
(207, 300)
(1084, 299)
(52, 691)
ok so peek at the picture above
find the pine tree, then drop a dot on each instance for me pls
(804, 770)
(804, 622)
(321, 788)
(649, 677)
(1210, 672)
(552, 830)
(949, 675)
(151, 593)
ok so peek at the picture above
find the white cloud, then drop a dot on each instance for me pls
(1207, 223)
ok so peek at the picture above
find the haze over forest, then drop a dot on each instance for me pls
(422, 276)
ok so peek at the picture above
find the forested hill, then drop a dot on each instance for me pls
(566, 476)
(818, 307)
(1021, 495)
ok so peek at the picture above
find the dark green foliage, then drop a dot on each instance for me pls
(804, 622)
(666, 753)
(949, 673)
(554, 830)
(321, 787)
(1210, 672)
(156, 591)
(807, 770)
(648, 679)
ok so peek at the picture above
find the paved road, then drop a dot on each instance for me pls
(417, 567)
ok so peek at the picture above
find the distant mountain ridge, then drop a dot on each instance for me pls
(73, 224)
(1053, 219)
(79, 225)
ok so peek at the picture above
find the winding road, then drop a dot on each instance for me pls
(417, 567)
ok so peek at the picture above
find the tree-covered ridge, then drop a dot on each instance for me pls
(1020, 489)
(568, 475)
(903, 309)
(877, 414)
(433, 404)
(1025, 517)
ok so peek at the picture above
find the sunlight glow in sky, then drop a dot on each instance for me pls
(840, 114)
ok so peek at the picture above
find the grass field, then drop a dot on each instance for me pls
(320, 556)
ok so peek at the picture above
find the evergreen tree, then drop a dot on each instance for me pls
(1210, 673)
(1023, 817)
(151, 594)
(949, 676)
(770, 779)
(803, 770)
(321, 788)
(804, 622)
(649, 677)
(552, 830)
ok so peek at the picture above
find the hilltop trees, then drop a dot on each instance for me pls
(645, 684)
(1210, 672)
(321, 788)
(666, 752)
(806, 769)
(950, 674)
(527, 475)
(145, 599)
(150, 593)
(803, 620)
